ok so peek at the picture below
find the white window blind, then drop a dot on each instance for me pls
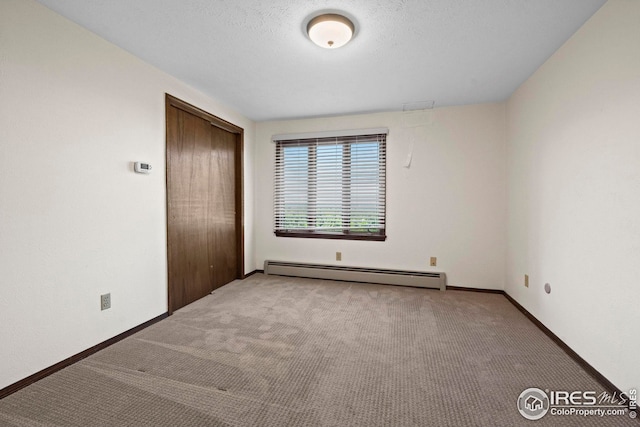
(331, 187)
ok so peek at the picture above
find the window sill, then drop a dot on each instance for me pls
(312, 235)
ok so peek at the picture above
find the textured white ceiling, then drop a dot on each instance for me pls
(254, 55)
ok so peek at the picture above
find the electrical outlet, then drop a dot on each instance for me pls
(433, 262)
(105, 301)
(526, 280)
(338, 256)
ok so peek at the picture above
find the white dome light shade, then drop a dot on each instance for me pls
(330, 30)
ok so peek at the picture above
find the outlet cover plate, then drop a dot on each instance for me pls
(105, 301)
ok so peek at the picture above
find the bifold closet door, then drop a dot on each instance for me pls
(201, 207)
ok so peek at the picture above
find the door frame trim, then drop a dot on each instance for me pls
(172, 101)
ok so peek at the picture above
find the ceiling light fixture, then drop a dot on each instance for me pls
(330, 30)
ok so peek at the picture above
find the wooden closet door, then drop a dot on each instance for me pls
(204, 203)
(223, 232)
(188, 201)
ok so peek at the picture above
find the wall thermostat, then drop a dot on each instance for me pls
(142, 167)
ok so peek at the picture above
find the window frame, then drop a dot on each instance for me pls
(346, 141)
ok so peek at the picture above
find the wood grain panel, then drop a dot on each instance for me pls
(205, 228)
(223, 233)
(188, 198)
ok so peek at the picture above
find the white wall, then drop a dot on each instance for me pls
(574, 192)
(450, 204)
(75, 221)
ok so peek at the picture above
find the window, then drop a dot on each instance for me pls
(331, 187)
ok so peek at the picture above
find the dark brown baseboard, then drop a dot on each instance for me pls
(75, 358)
(252, 273)
(484, 291)
(604, 382)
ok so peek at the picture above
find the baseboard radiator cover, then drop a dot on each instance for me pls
(419, 279)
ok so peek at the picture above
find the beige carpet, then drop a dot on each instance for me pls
(276, 351)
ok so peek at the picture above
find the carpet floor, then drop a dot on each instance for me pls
(277, 351)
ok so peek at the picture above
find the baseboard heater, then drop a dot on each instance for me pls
(357, 274)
